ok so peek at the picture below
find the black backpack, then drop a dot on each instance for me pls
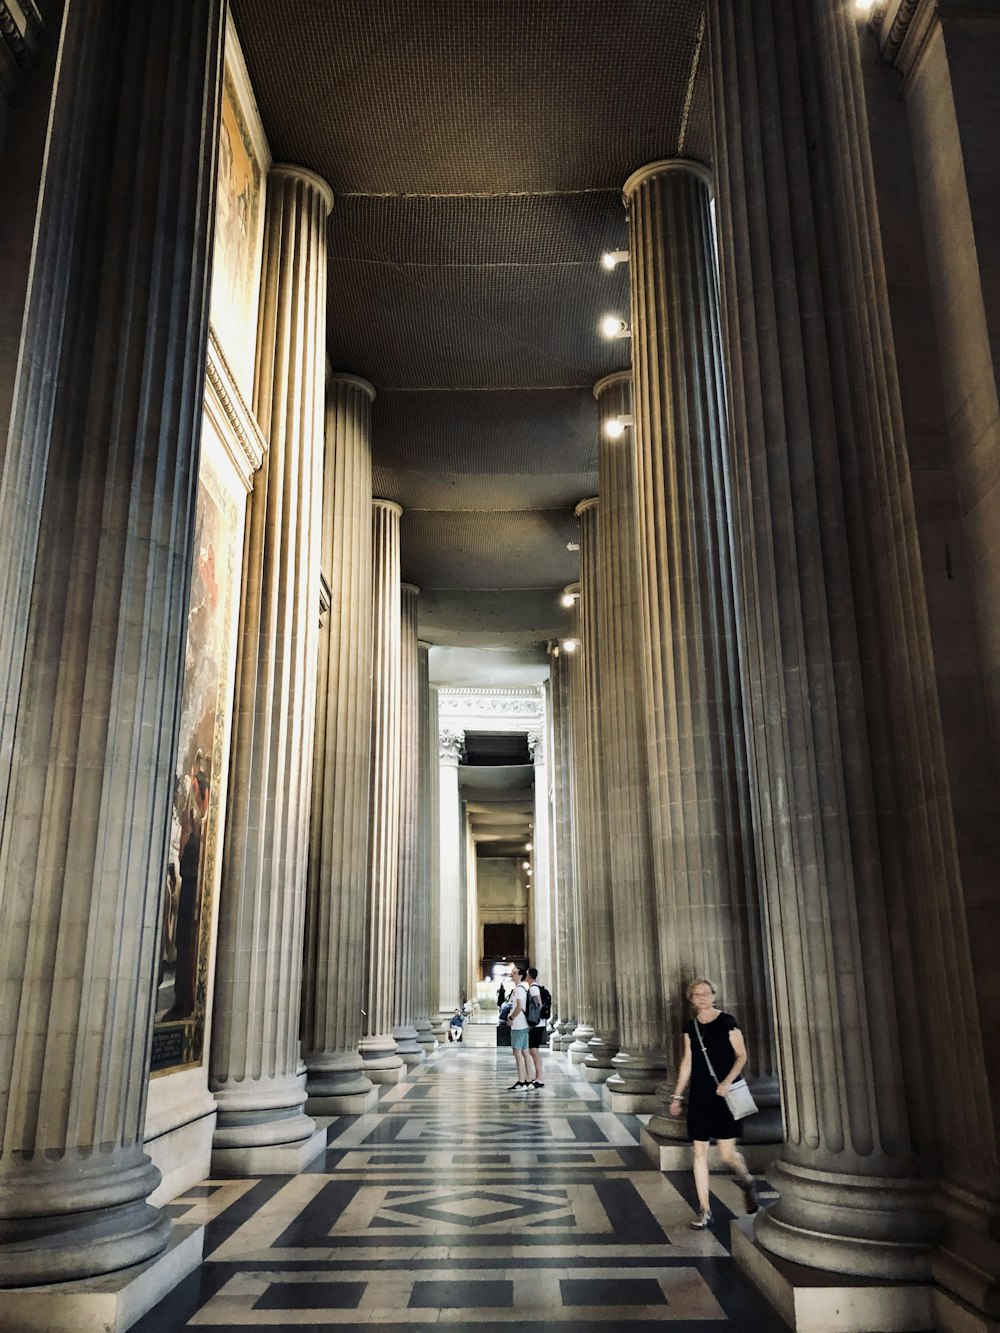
(539, 1006)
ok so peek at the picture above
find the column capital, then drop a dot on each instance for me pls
(609, 382)
(687, 165)
(572, 589)
(317, 183)
(451, 743)
(410, 587)
(390, 507)
(536, 747)
(586, 505)
(342, 377)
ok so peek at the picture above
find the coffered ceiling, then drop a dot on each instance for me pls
(477, 150)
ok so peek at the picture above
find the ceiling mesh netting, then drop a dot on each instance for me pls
(477, 150)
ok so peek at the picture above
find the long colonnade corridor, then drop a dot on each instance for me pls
(456, 1202)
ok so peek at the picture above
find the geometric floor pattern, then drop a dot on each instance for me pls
(458, 1203)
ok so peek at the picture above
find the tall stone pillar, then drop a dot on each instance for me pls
(378, 1046)
(705, 871)
(451, 848)
(426, 912)
(843, 727)
(255, 1069)
(565, 967)
(541, 886)
(472, 943)
(596, 922)
(98, 496)
(410, 922)
(432, 776)
(638, 965)
(336, 1083)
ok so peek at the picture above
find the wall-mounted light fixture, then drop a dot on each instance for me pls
(614, 427)
(528, 846)
(612, 326)
(570, 645)
(572, 546)
(568, 599)
(612, 258)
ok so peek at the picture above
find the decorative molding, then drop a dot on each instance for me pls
(536, 746)
(21, 29)
(495, 703)
(903, 39)
(238, 425)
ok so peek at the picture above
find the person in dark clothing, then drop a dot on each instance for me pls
(708, 1115)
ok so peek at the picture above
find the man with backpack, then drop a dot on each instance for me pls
(539, 1011)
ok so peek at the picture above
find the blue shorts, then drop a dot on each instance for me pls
(519, 1038)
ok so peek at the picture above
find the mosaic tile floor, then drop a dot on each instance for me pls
(458, 1203)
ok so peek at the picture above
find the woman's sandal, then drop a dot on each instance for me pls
(703, 1221)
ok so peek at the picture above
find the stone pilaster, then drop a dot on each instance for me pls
(642, 1058)
(596, 924)
(98, 496)
(255, 1067)
(541, 886)
(451, 850)
(835, 649)
(378, 1047)
(426, 908)
(409, 922)
(705, 871)
(565, 969)
(336, 1083)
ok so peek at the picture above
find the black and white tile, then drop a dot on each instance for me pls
(458, 1203)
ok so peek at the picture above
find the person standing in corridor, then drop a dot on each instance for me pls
(517, 1020)
(537, 1035)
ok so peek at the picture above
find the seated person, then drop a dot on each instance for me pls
(455, 1024)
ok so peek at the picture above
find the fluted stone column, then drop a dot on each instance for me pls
(410, 924)
(336, 1083)
(98, 496)
(472, 942)
(642, 1059)
(426, 908)
(565, 970)
(451, 848)
(596, 923)
(541, 887)
(433, 779)
(705, 871)
(844, 730)
(378, 1046)
(576, 1045)
(255, 1070)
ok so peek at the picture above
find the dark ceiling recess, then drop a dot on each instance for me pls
(487, 748)
(477, 150)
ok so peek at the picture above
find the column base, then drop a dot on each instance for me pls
(344, 1103)
(966, 1263)
(812, 1300)
(598, 1066)
(676, 1154)
(877, 1226)
(407, 1047)
(628, 1101)
(579, 1047)
(107, 1304)
(277, 1159)
(386, 1075)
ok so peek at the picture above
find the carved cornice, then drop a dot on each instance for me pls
(21, 29)
(495, 702)
(244, 435)
(903, 38)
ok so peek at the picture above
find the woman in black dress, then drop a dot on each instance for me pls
(708, 1115)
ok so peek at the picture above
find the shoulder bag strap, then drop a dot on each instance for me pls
(701, 1042)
